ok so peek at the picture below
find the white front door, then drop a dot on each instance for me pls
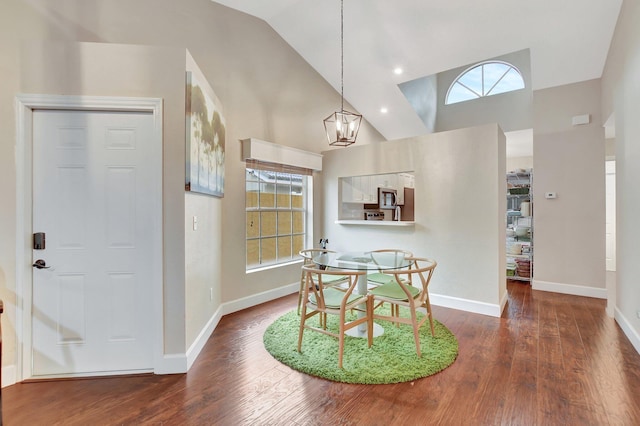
(92, 307)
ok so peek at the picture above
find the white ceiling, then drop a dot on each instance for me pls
(568, 41)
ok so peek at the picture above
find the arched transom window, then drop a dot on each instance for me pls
(485, 79)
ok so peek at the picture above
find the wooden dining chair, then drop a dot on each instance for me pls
(307, 256)
(401, 292)
(378, 278)
(322, 300)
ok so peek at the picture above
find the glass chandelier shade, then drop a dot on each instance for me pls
(342, 127)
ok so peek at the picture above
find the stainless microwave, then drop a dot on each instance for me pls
(387, 198)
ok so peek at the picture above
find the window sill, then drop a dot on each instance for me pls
(268, 267)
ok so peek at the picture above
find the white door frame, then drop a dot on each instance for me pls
(611, 274)
(25, 104)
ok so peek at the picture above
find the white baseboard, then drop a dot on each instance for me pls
(576, 290)
(256, 299)
(174, 364)
(600, 293)
(467, 305)
(8, 375)
(196, 347)
(171, 364)
(181, 363)
(628, 329)
(503, 302)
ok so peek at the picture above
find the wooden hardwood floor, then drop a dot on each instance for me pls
(551, 359)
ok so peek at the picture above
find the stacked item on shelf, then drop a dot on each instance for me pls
(523, 267)
(519, 260)
(518, 189)
(514, 248)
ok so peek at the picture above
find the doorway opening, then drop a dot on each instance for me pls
(519, 215)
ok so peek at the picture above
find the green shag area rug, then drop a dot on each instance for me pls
(391, 359)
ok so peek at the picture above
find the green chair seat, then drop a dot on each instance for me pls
(392, 290)
(330, 279)
(333, 298)
(380, 278)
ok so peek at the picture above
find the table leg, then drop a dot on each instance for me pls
(361, 330)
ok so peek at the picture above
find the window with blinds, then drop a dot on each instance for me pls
(276, 213)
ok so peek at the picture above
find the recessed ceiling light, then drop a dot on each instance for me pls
(384, 110)
(397, 71)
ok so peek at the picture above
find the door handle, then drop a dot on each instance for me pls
(41, 264)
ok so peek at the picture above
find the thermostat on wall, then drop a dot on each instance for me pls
(550, 195)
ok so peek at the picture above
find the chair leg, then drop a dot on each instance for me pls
(370, 320)
(300, 333)
(416, 334)
(300, 291)
(433, 332)
(323, 320)
(396, 313)
(341, 340)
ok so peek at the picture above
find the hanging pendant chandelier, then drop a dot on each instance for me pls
(342, 126)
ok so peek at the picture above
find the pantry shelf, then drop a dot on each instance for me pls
(519, 220)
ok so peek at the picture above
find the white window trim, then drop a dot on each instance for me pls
(479, 64)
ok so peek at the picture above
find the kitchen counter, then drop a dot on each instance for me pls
(375, 222)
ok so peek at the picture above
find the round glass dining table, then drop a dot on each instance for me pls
(371, 261)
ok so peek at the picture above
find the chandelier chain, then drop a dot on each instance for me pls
(342, 54)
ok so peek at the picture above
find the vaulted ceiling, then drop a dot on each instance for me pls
(568, 42)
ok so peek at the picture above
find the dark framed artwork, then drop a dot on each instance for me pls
(205, 138)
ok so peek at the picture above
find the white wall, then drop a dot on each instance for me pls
(203, 254)
(460, 202)
(621, 95)
(569, 231)
(514, 163)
